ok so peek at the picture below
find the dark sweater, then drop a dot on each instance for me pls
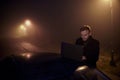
(91, 50)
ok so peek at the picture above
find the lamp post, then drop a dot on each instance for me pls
(112, 62)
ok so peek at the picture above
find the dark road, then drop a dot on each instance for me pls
(16, 46)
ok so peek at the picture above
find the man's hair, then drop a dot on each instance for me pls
(85, 27)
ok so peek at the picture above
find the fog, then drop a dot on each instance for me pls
(59, 20)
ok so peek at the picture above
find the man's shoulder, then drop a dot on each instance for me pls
(95, 41)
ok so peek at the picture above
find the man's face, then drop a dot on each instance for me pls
(85, 34)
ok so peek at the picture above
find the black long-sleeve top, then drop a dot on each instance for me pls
(90, 50)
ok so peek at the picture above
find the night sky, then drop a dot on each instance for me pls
(60, 20)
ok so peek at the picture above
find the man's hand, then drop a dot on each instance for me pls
(84, 58)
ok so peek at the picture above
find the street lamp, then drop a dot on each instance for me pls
(27, 22)
(22, 30)
(22, 27)
(112, 62)
(25, 28)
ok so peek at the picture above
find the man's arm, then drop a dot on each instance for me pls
(92, 52)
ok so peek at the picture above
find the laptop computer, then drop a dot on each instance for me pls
(71, 51)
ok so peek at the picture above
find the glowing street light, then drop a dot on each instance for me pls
(27, 22)
(22, 27)
(22, 30)
(25, 28)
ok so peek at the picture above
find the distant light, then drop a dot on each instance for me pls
(81, 68)
(22, 30)
(26, 55)
(27, 22)
(22, 27)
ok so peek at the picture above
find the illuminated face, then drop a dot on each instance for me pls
(85, 34)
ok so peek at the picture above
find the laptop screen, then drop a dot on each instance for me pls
(71, 51)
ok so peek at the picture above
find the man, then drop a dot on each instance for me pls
(90, 46)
